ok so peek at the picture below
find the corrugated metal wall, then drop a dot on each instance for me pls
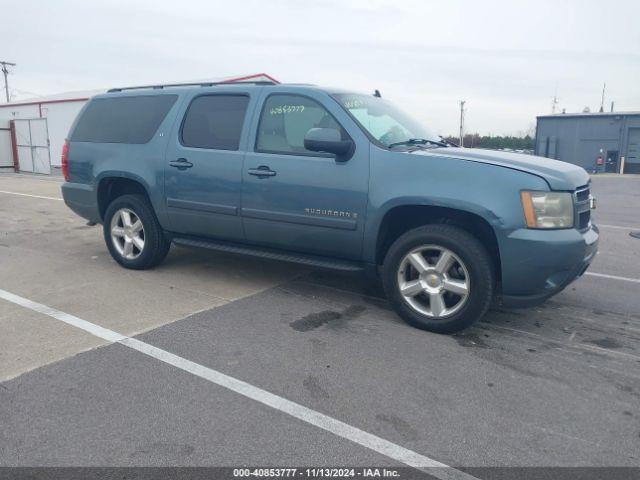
(582, 139)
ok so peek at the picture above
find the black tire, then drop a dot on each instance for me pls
(469, 250)
(156, 245)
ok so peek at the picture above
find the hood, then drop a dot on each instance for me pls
(559, 175)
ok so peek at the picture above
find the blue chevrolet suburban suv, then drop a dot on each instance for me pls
(333, 179)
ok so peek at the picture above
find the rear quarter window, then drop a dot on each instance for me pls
(122, 119)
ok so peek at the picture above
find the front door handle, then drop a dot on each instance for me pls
(181, 164)
(262, 171)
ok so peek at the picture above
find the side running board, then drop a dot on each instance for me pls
(311, 260)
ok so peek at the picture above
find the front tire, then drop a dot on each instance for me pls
(132, 233)
(439, 278)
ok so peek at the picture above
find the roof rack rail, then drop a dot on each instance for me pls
(197, 84)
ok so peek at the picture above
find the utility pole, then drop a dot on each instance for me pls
(602, 99)
(554, 101)
(462, 102)
(5, 71)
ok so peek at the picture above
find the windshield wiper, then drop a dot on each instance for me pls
(449, 142)
(417, 141)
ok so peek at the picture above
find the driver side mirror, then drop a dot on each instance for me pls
(328, 140)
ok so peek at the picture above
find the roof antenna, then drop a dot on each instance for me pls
(377, 93)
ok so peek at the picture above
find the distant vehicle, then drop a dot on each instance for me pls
(332, 179)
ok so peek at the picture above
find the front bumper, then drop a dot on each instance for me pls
(538, 264)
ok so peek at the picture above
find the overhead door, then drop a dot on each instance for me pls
(632, 163)
(32, 145)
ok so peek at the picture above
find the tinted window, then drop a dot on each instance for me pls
(123, 119)
(215, 121)
(285, 121)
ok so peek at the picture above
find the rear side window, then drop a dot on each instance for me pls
(214, 121)
(123, 119)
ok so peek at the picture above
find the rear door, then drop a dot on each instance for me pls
(296, 199)
(203, 170)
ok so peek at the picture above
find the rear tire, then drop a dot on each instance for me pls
(439, 278)
(132, 233)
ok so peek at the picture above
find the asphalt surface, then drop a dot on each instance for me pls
(557, 385)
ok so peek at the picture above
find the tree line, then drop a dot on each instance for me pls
(475, 140)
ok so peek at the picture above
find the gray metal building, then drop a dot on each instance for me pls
(601, 142)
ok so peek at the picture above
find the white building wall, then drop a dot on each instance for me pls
(59, 115)
(10, 112)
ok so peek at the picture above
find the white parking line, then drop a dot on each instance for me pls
(29, 195)
(40, 178)
(617, 227)
(312, 417)
(613, 277)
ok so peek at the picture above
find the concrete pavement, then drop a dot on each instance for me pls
(556, 385)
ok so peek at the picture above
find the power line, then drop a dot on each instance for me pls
(5, 71)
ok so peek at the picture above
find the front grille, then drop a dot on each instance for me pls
(583, 220)
(583, 207)
(582, 193)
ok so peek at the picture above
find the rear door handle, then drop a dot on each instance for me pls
(181, 164)
(261, 171)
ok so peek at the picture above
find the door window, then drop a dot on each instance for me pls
(215, 122)
(285, 121)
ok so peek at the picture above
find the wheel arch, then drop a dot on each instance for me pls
(112, 185)
(399, 219)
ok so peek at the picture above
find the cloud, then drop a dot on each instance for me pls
(505, 58)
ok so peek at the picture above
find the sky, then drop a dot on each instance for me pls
(506, 59)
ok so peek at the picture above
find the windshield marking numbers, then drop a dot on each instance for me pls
(282, 109)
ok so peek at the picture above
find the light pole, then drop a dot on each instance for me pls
(5, 71)
(462, 102)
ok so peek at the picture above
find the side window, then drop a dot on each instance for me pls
(285, 121)
(126, 119)
(214, 121)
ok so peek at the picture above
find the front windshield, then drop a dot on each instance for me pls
(384, 122)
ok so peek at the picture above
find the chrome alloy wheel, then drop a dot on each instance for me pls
(433, 281)
(127, 234)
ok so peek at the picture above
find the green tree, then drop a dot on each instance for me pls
(474, 140)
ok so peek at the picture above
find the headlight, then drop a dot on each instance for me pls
(547, 209)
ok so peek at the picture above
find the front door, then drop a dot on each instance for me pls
(296, 199)
(203, 168)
